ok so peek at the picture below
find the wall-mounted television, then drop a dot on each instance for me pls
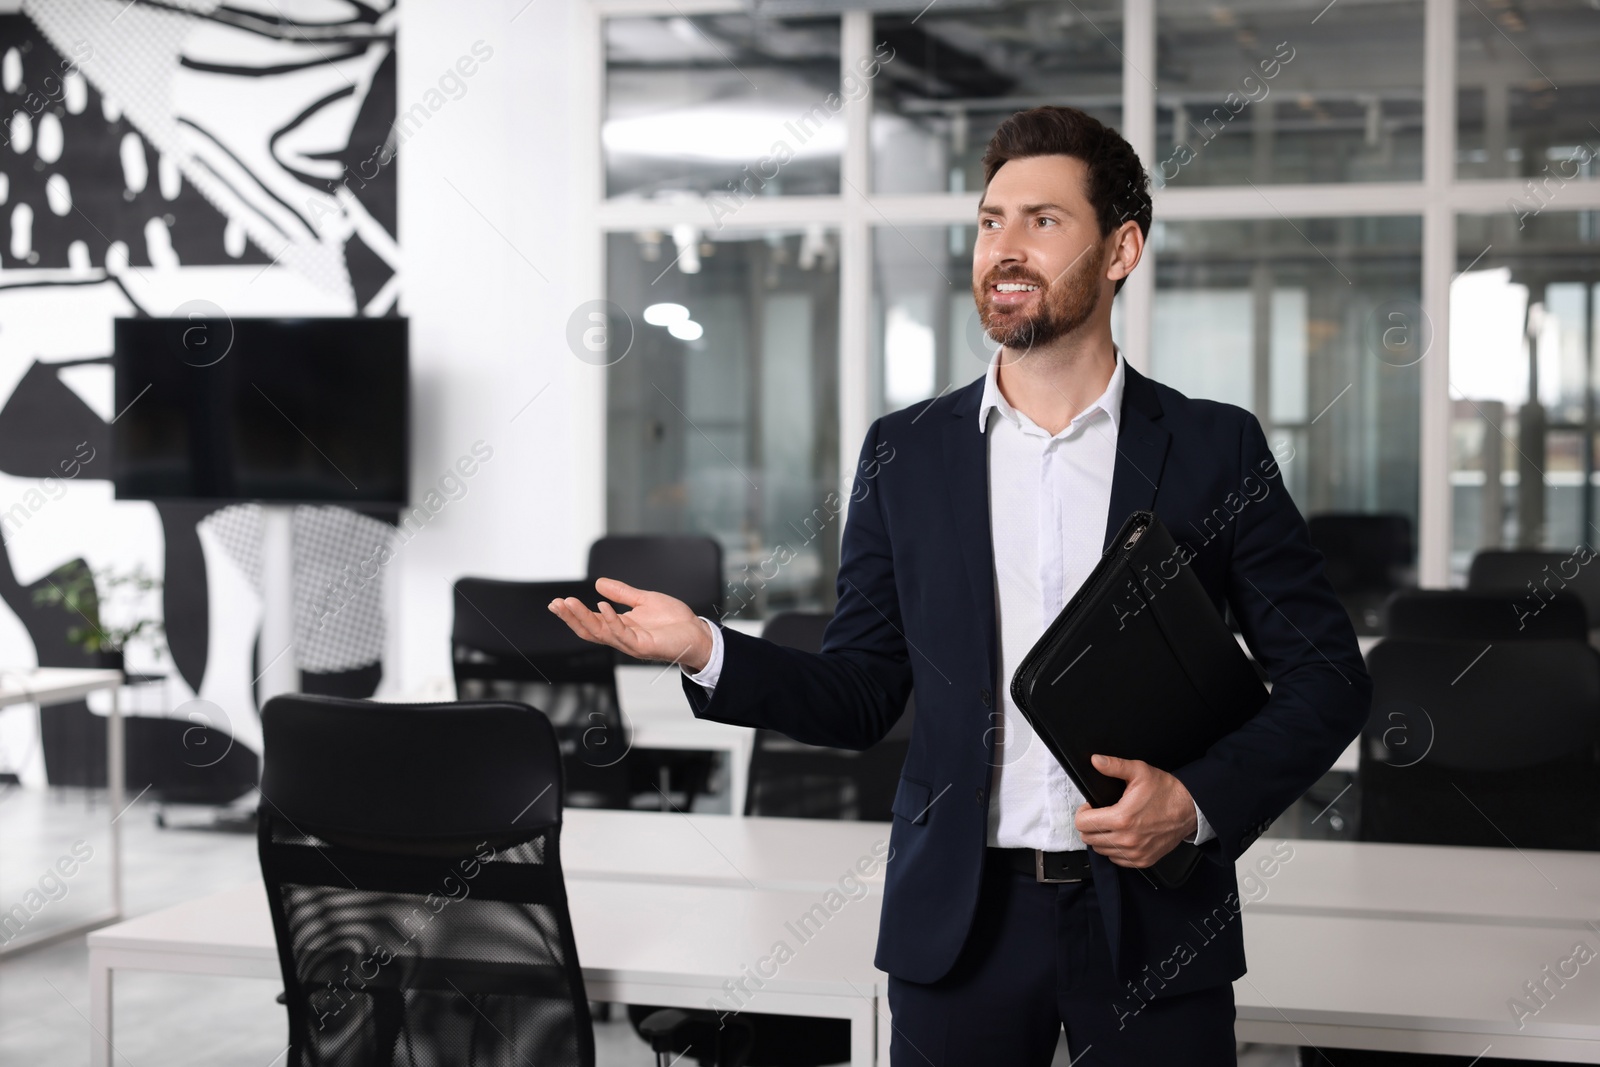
(276, 410)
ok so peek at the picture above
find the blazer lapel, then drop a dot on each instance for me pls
(1141, 452)
(966, 473)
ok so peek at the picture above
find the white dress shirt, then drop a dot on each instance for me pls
(1049, 499)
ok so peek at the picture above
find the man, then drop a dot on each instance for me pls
(1011, 907)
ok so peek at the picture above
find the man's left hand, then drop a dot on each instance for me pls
(1154, 815)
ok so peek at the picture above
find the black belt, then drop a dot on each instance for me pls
(1070, 866)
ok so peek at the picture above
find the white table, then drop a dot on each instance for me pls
(45, 686)
(638, 943)
(1410, 948)
(1413, 986)
(1425, 883)
(797, 855)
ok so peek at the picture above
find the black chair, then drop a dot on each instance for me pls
(1483, 744)
(1368, 557)
(1462, 615)
(685, 566)
(506, 644)
(412, 861)
(1532, 576)
(802, 781)
(1491, 748)
(688, 567)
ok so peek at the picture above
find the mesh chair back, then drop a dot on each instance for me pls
(507, 645)
(1475, 743)
(412, 860)
(789, 778)
(1461, 615)
(682, 566)
(1534, 575)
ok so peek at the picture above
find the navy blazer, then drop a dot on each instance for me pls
(916, 610)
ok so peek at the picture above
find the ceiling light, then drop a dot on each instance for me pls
(665, 314)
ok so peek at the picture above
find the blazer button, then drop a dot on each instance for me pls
(978, 796)
(986, 697)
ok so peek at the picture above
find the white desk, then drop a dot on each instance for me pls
(45, 686)
(1410, 986)
(1429, 883)
(800, 855)
(1408, 948)
(638, 943)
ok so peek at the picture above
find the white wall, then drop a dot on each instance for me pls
(488, 332)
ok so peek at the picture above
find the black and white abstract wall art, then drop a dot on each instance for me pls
(154, 155)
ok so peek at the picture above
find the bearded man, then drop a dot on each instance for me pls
(1011, 908)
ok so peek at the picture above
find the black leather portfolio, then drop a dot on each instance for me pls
(1139, 665)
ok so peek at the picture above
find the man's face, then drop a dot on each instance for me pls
(1038, 266)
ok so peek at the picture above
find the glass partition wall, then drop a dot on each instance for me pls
(1375, 229)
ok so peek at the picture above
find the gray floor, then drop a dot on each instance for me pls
(170, 1020)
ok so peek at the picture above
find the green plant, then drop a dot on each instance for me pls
(84, 593)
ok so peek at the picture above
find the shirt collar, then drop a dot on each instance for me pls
(1109, 401)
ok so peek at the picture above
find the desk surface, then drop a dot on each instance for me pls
(806, 855)
(625, 931)
(53, 685)
(1423, 986)
(1501, 886)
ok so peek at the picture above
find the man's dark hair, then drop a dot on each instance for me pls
(1119, 188)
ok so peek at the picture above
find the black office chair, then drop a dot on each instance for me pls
(507, 645)
(685, 566)
(412, 861)
(1490, 744)
(802, 781)
(1368, 557)
(1532, 576)
(1479, 742)
(1462, 615)
(688, 567)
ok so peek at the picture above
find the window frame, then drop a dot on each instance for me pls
(1437, 199)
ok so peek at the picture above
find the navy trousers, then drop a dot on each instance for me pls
(1036, 961)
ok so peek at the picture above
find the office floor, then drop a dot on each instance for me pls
(171, 1020)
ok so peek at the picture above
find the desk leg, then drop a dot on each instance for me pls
(864, 1033)
(739, 775)
(99, 1013)
(116, 764)
(885, 1024)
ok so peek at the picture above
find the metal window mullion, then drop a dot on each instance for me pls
(855, 253)
(1139, 128)
(1438, 265)
(586, 384)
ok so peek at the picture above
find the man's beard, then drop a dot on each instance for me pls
(1063, 305)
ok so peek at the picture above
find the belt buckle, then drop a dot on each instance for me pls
(1038, 870)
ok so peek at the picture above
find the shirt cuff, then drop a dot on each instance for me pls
(1203, 831)
(707, 676)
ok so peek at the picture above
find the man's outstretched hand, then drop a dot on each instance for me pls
(658, 627)
(1153, 816)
